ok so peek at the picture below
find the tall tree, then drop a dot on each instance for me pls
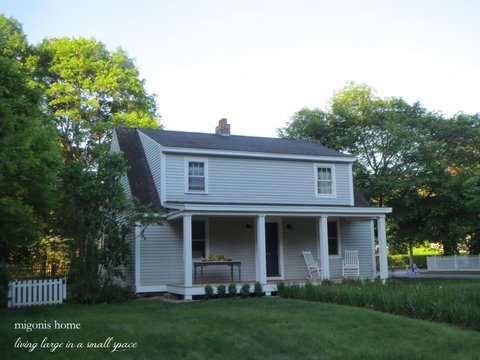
(89, 90)
(96, 217)
(29, 155)
(408, 158)
(379, 132)
(13, 42)
(453, 163)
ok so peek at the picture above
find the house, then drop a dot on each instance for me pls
(258, 201)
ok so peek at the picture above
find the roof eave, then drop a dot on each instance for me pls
(255, 154)
(296, 210)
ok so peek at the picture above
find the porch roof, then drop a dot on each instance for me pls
(179, 210)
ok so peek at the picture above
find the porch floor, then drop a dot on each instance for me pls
(252, 282)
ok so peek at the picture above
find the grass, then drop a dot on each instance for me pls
(448, 300)
(253, 328)
(420, 254)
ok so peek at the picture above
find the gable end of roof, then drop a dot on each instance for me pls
(139, 175)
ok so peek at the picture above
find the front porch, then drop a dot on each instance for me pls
(199, 289)
(269, 246)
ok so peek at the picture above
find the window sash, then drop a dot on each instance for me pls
(196, 176)
(324, 180)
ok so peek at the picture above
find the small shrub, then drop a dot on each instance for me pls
(245, 290)
(115, 294)
(232, 289)
(257, 289)
(208, 291)
(221, 291)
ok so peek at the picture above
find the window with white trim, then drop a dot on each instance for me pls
(325, 180)
(196, 176)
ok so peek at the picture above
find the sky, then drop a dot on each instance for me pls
(258, 62)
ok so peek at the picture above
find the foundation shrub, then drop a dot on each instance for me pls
(245, 290)
(232, 290)
(257, 289)
(208, 291)
(221, 291)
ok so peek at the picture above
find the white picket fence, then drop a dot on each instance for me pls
(36, 292)
(453, 263)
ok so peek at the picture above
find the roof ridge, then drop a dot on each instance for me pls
(189, 139)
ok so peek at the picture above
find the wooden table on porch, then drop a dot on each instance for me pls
(202, 264)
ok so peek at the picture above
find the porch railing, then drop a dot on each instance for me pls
(36, 292)
(453, 263)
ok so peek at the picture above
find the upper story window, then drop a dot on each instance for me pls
(324, 180)
(196, 179)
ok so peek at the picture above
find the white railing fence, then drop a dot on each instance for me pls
(36, 292)
(453, 263)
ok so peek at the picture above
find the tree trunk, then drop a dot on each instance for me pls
(410, 253)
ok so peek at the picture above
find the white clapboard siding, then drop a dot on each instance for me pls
(36, 292)
(258, 181)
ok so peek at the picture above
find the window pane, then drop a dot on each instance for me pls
(324, 180)
(332, 246)
(332, 238)
(324, 173)
(198, 230)
(196, 183)
(196, 176)
(332, 229)
(198, 239)
(196, 168)
(324, 187)
(198, 249)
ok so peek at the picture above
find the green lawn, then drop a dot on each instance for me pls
(254, 328)
(454, 301)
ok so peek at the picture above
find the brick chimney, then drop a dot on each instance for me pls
(223, 128)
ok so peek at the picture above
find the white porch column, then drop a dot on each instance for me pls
(374, 262)
(323, 238)
(187, 250)
(382, 244)
(261, 251)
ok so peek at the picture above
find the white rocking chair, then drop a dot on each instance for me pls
(314, 270)
(350, 265)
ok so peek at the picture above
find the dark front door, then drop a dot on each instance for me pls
(271, 245)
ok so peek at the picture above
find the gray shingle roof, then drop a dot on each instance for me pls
(239, 143)
(139, 175)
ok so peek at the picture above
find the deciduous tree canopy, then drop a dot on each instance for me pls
(59, 103)
(418, 162)
(89, 90)
(29, 153)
